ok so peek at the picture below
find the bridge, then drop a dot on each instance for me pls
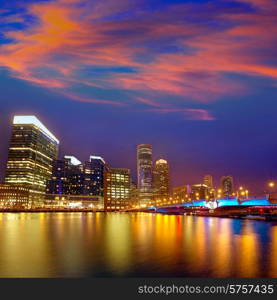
(265, 208)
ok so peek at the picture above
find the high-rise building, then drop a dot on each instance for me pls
(33, 148)
(94, 170)
(144, 173)
(161, 179)
(74, 185)
(208, 181)
(117, 189)
(227, 185)
(67, 178)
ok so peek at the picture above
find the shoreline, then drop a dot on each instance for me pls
(270, 218)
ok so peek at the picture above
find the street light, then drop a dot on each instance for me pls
(271, 184)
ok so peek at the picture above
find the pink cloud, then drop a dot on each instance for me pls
(67, 38)
(79, 98)
(189, 113)
(147, 101)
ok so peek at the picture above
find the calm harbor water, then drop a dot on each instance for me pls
(135, 244)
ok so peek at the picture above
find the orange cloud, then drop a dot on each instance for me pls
(99, 45)
(189, 113)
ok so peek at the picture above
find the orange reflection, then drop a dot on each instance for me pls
(222, 254)
(273, 253)
(247, 252)
(118, 244)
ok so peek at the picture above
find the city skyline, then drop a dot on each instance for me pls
(207, 179)
(199, 89)
(36, 178)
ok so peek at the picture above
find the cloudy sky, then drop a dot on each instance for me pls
(196, 79)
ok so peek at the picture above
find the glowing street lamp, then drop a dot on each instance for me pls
(271, 184)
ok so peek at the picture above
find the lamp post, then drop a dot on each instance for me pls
(271, 186)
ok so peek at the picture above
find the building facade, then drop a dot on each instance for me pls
(78, 202)
(227, 186)
(208, 181)
(117, 189)
(67, 177)
(145, 173)
(181, 193)
(32, 150)
(76, 185)
(199, 192)
(94, 171)
(13, 196)
(161, 179)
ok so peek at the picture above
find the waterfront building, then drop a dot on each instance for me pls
(94, 171)
(67, 177)
(144, 173)
(13, 196)
(74, 185)
(67, 201)
(161, 179)
(134, 196)
(181, 193)
(227, 186)
(117, 189)
(199, 191)
(32, 150)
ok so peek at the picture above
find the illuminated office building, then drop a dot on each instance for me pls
(134, 196)
(67, 177)
(117, 189)
(227, 185)
(199, 191)
(161, 179)
(33, 148)
(94, 171)
(74, 185)
(13, 196)
(181, 193)
(144, 173)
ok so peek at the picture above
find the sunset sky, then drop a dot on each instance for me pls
(196, 79)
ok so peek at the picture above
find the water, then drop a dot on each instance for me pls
(135, 244)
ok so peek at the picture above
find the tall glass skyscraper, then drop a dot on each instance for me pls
(94, 176)
(144, 172)
(33, 148)
(67, 177)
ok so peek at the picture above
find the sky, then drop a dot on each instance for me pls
(196, 79)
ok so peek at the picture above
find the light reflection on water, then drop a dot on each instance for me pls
(135, 244)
